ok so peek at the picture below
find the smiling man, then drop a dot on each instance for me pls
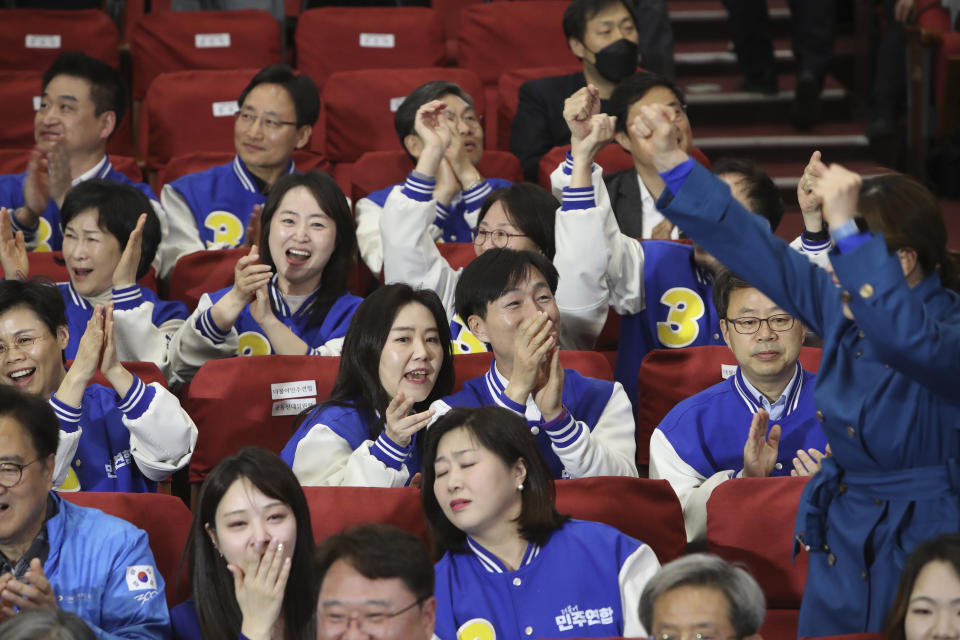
(583, 426)
(459, 189)
(277, 111)
(721, 432)
(375, 581)
(83, 102)
(54, 554)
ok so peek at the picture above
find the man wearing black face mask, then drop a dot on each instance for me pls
(605, 36)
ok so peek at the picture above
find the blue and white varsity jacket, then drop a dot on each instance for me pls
(699, 444)
(103, 570)
(144, 323)
(129, 443)
(213, 207)
(593, 436)
(332, 447)
(200, 340)
(453, 223)
(584, 582)
(47, 235)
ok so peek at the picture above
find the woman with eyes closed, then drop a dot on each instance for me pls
(519, 217)
(250, 553)
(513, 567)
(927, 605)
(289, 294)
(110, 236)
(396, 360)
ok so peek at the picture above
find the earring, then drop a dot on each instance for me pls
(520, 487)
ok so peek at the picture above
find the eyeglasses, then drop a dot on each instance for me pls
(271, 124)
(748, 325)
(11, 473)
(498, 238)
(20, 343)
(337, 619)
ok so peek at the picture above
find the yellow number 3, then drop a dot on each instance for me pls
(476, 629)
(680, 328)
(227, 229)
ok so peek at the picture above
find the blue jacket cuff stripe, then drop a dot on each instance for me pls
(578, 198)
(389, 452)
(209, 329)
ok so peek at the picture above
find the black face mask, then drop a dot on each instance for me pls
(617, 60)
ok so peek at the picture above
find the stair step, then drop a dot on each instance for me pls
(787, 146)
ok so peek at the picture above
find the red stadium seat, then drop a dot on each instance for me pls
(850, 636)
(449, 11)
(146, 371)
(51, 265)
(508, 90)
(668, 376)
(190, 111)
(647, 510)
(182, 40)
(457, 254)
(506, 35)
(21, 92)
(761, 537)
(354, 126)
(33, 38)
(380, 169)
(187, 163)
(167, 523)
(473, 365)
(333, 509)
(238, 402)
(350, 38)
(612, 158)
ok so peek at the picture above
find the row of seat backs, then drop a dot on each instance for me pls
(490, 37)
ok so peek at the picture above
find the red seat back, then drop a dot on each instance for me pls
(181, 40)
(33, 38)
(668, 376)
(190, 111)
(167, 523)
(505, 35)
(50, 264)
(380, 169)
(612, 158)
(146, 371)
(244, 401)
(333, 509)
(348, 38)
(645, 509)
(457, 254)
(352, 127)
(761, 536)
(195, 162)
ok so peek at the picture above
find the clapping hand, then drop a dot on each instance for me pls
(760, 451)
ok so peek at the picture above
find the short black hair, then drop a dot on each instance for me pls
(531, 208)
(108, 91)
(34, 415)
(492, 273)
(725, 283)
(762, 191)
(46, 624)
(118, 207)
(378, 552)
(580, 12)
(302, 89)
(40, 295)
(506, 435)
(632, 89)
(406, 115)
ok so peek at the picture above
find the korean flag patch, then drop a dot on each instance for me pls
(141, 577)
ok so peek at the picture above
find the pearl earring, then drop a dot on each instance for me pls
(520, 487)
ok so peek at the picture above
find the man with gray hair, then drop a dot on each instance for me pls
(702, 595)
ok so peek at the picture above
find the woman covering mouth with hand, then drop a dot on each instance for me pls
(289, 294)
(396, 360)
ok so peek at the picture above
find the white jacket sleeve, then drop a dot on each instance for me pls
(197, 341)
(367, 214)
(323, 458)
(66, 451)
(634, 575)
(607, 450)
(692, 488)
(162, 437)
(410, 254)
(138, 339)
(182, 236)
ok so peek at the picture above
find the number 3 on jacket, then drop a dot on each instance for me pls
(680, 329)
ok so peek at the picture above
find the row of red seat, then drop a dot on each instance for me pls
(759, 537)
